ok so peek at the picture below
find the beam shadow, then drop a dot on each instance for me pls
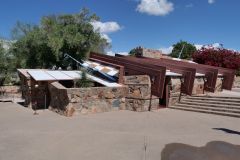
(229, 131)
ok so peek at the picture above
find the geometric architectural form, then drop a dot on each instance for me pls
(188, 74)
(156, 73)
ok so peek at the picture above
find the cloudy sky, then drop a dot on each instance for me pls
(149, 23)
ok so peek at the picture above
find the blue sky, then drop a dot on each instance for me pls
(149, 23)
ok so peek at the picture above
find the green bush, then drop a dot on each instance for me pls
(84, 82)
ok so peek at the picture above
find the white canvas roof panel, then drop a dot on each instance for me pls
(47, 75)
(200, 75)
(102, 68)
(113, 73)
(59, 75)
(169, 73)
(41, 75)
(105, 83)
(73, 74)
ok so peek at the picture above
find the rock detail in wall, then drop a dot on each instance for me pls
(151, 53)
(176, 88)
(72, 101)
(198, 86)
(174, 91)
(218, 87)
(236, 82)
(138, 97)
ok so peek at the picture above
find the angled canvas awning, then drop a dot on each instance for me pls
(49, 75)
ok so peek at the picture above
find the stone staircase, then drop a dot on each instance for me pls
(226, 106)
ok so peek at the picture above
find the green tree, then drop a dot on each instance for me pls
(84, 82)
(136, 51)
(6, 65)
(187, 50)
(2, 59)
(44, 45)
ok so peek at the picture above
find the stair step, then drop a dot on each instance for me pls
(209, 108)
(214, 99)
(219, 97)
(212, 103)
(206, 111)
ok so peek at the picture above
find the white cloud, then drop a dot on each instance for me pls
(211, 1)
(155, 7)
(198, 46)
(214, 45)
(105, 36)
(166, 50)
(105, 28)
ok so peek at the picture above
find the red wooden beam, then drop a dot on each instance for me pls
(188, 74)
(133, 68)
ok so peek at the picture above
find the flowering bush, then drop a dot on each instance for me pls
(218, 57)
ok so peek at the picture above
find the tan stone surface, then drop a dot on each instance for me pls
(118, 135)
(236, 82)
(198, 86)
(69, 101)
(138, 97)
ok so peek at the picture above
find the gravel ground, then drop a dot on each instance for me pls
(120, 135)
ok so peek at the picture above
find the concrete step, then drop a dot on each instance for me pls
(206, 111)
(215, 96)
(208, 108)
(234, 100)
(212, 103)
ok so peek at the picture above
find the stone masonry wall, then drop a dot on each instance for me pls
(218, 87)
(174, 91)
(70, 101)
(138, 97)
(236, 82)
(151, 53)
(176, 88)
(24, 87)
(198, 86)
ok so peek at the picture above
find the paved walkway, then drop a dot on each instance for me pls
(105, 136)
(226, 93)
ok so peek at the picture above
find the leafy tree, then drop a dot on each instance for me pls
(6, 65)
(2, 59)
(44, 45)
(136, 51)
(133, 52)
(188, 50)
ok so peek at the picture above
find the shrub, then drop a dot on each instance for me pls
(84, 82)
(218, 57)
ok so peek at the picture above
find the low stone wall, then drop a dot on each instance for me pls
(198, 86)
(236, 82)
(151, 53)
(24, 87)
(174, 91)
(11, 91)
(176, 88)
(138, 97)
(70, 101)
(218, 87)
